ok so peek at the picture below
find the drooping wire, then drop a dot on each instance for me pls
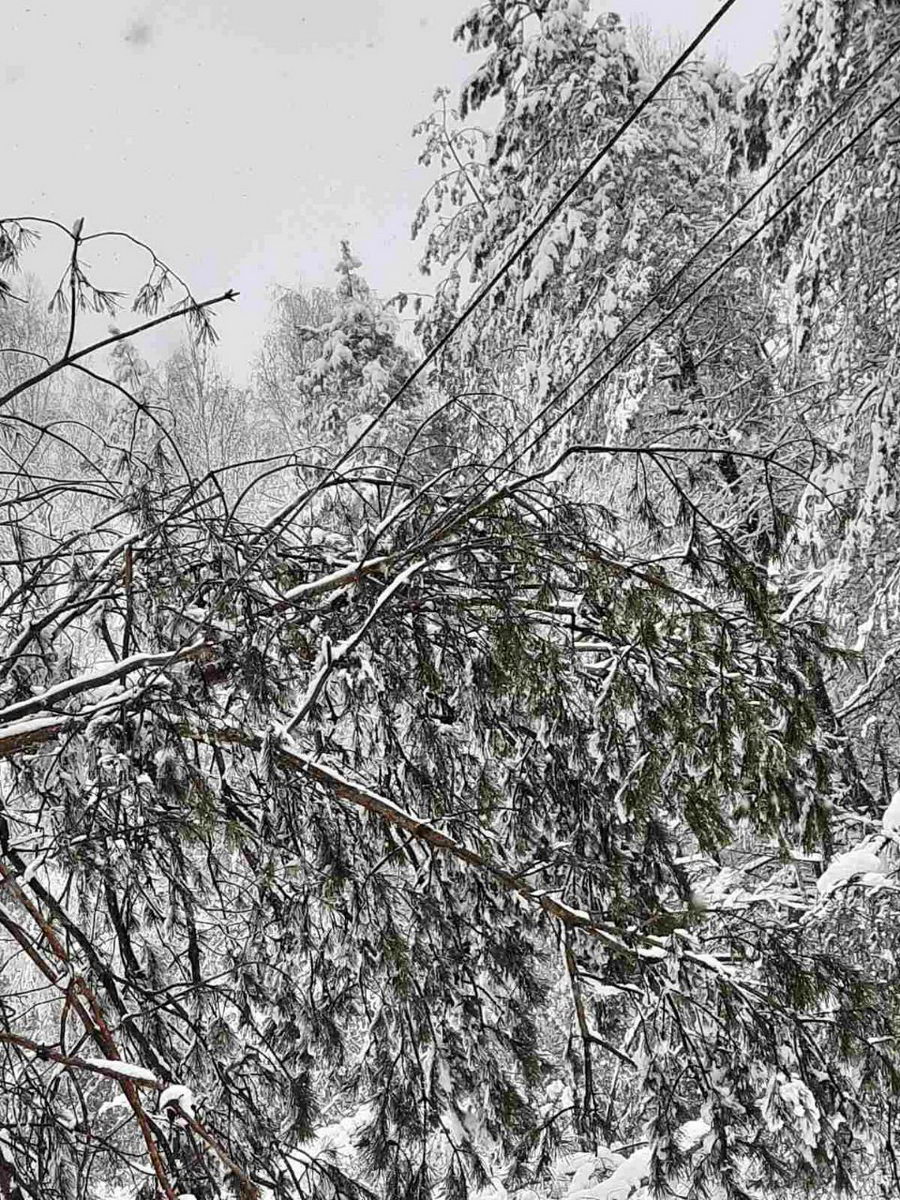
(450, 518)
(290, 510)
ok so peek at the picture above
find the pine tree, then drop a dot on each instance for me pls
(359, 362)
(446, 823)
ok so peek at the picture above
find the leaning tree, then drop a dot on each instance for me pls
(402, 789)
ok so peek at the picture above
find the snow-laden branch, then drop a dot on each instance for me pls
(291, 757)
(176, 1100)
(861, 694)
(336, 579)
(68, 359)
(35, 731)
(101, 676)
(73, 595)
(332, 655)
(112, 1068)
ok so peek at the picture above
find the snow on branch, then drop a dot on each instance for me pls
(332, 655)
(98, 677)
(290, 756)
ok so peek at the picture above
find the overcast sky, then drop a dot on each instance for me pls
(244, 138)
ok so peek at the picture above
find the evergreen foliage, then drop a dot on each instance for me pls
(505, 804)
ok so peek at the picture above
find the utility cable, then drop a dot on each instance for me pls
(621, 358)
(296, 505)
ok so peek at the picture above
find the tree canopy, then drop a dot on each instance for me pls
(464, 762)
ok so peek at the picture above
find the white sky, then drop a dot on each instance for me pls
(244, 138)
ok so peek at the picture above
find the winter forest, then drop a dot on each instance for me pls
(464, 762)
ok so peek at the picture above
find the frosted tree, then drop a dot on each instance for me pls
(286, 354)
(357, 360)
(613, 279)
(422, 822)
(836, 252)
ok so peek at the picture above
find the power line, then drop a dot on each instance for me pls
(269, 530)
(481, 295)
(450, 520)
(621, 358)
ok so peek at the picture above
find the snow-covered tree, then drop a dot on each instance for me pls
(351, 361)
(408, 823)
(835, 253)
